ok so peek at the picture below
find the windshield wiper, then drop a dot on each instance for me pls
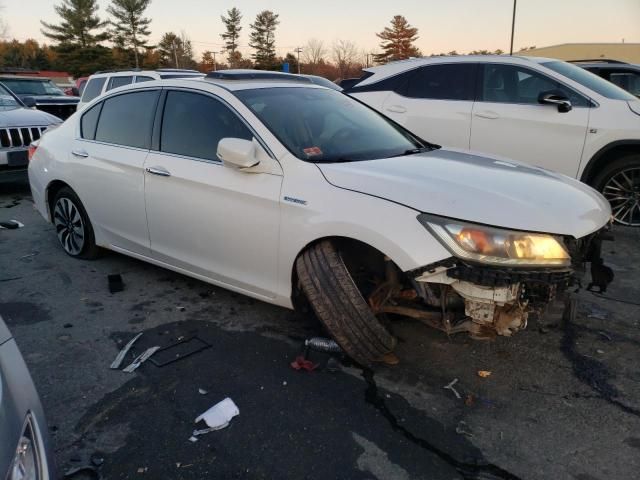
(413, 151)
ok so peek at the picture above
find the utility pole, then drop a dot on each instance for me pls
(298, 50)
(175, 53)
(513, 25)
(214, 60)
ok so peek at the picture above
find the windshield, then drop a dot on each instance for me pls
(21, 86)
(322, 125)
(589, 80)
(7, 101)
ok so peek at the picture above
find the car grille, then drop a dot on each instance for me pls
(19, 136)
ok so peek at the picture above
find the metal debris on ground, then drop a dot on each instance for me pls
(450, 386)
(11, 225)
(484, 373)
(115, 283)
(320, 344)
(120, 357)
(141, 359)
(219, 416)
(183, 348)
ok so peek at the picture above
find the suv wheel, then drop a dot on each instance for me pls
(619, 182)
(72, 225)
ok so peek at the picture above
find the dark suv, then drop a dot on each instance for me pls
(625, 75)
(41, 93)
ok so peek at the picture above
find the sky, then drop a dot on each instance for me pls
(443, 25)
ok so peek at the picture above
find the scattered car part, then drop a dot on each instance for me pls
(322, 345)
(143, 357)
(115, 283)
(219, 416)
(450, 386)
(183, 348)
(11, 224)
(122, 353)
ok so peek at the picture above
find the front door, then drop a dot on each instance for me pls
(206, 218)
(508, 120)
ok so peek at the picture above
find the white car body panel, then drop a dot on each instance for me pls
(243, 230)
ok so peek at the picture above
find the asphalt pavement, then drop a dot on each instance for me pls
(562, 400)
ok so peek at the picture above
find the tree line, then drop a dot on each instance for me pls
(79, 38)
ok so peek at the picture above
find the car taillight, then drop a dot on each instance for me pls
(32, 151)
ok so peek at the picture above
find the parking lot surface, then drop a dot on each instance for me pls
(562, 400)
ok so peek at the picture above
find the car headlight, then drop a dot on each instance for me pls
(496, 246)
(27, 463)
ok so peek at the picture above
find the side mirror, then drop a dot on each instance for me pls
(237, 152)
(557, 98)
(29, 102)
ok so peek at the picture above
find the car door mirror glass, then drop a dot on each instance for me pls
(557, 98)
(237, 152)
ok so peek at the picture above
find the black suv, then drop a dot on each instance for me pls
(41, 93)
(625, 75)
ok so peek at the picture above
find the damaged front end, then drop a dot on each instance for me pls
(493, 283)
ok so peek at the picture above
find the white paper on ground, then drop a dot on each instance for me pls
(220, 414)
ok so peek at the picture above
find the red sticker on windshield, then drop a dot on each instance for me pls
(312, 151)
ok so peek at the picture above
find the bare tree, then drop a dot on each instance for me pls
(4, 28)
(314, 51)
(345, 54)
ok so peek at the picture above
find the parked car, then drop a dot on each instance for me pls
(623, 74)
(281, 189)
(42, 94)
(101, 82)
(25, 452)
(541, 111)
(19, 126)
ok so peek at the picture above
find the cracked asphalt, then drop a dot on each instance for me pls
(562, 400)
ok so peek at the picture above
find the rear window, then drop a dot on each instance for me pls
(116, 82)
(128, 119)
(589, 80)
(89, 122)
(93, 89)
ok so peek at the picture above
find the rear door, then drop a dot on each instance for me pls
(435, 103)
(108, 159)
(509, 121)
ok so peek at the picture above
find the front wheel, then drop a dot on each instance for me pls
(619, 182)
(72, 225)
(340, 306)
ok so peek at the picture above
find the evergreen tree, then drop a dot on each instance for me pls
(262, 39)
(79, 24)
(232, 34)
(397, 41)
(130, 27)
(175, 51)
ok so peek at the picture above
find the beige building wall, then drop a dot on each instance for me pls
(627, 52)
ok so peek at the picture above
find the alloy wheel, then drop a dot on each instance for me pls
(623, 192)
(69, 226)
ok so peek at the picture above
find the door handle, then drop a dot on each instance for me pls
(396, 109)
(163, 172)
(79, 153)
(488, 115)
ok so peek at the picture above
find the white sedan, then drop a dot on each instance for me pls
(283, 190)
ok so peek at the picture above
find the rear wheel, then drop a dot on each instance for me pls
(338, 303)
(72, 225)
(619, 182)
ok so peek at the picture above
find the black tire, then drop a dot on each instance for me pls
(339, 305)
(618, 181)
(67, 211)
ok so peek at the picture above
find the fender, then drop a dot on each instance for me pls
(602, 155)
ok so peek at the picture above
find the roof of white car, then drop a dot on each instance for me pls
(393, 68)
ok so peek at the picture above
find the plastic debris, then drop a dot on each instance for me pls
(11, 224)
(301, 363)
(202, 391)
(115, 283)
(183, 348)
(120, 357)
(141, 359)
(484, 373)
(450, 386)
(219, 416)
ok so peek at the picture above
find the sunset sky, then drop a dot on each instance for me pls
(460, 25)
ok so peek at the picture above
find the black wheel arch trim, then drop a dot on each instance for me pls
(590, 171)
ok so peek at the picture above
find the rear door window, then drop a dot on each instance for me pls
(143, 78)
(128, 119)
(443, 82)
(116, 82)
(89, 122)
(193, 124)
(93, 89)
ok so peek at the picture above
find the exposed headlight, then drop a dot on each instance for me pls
(27, 463)
(496, 246)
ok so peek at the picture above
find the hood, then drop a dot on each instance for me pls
(26, 117)
(478, 189)
(52, 99)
